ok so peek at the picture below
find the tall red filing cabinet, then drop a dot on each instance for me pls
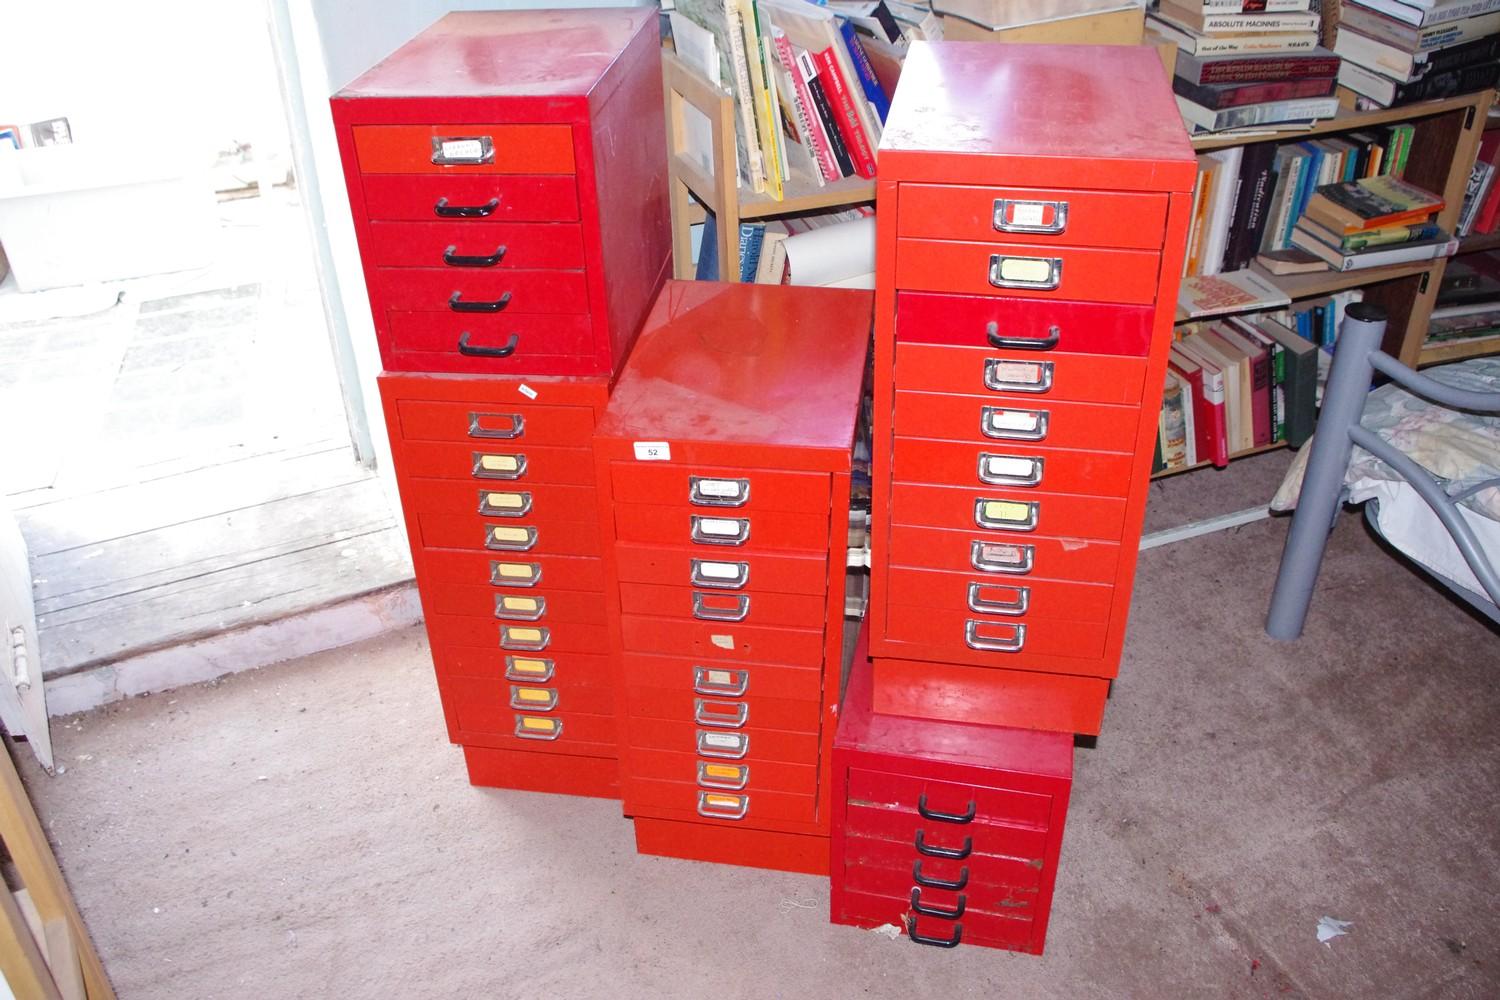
(507, 176)
(724, 461)
(1033, 207)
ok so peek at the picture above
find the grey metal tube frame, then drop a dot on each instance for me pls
(1357, 357)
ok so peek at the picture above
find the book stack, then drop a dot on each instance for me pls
(1468, 301)
(1400, 51)
(1480, 214)
(1247, 63)
(1372, 222)
(811, 88)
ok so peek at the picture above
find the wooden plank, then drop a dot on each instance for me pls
(1434, 354)
(802, 194)
(21, 959)
(1344, 121)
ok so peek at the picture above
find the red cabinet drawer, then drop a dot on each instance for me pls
(700, 526)
(706, 712)
(911, 795)
(548, 698)
(1038, 698)
(1004, 886)
(717, 680)
(1033, 215)
(482, 706)
(428, 289)
(513, 572)
(734, 776)
(529, 636)
(991, 323)
(1000, 641)
(869, 910)
(536, 343)
(723, 744)
(1051, 599)
(1017, 377)
(999, 418)
(519, 198)
(680, 799)
(505, 149)
(1013, 466)
(498, 463)
(487, 422)
(690, 566)
(708, 489)
(557, 538)
(748, 642)
(750, 607)
(474, 244)
(887, 837)
(984, 508)
(512, 501)
(504, 604)
(561, 670)
(1125, 276)
(1078, 559)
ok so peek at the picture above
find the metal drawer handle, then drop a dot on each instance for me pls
(952, 853)
(452, 258)
(538, 727)
(531, 639)
(1001, 557)
(509, 574)
(725, 746)
(705, 715)
(1019, 606)
(720, 530)
(491, 466)
(1011, 645)
(721, 683)
(719, 805)
(704, 611)
(952, 942)
(1005, 375)
(537, 670)
(992, 333)
(941, 817)
(505, 538)
(942, 912)
(462, 150)
(504, 504)
(511, 426)
(720, 575)
(707, 492)
(446, 211)
(731, 776)
(1014, 215)
(1010, 470)
(1013, 425)
(513, 607)
(928, 882)
(532, 699)
(1007, 515)
(457, 304)
(504, 351)
(1041, 274)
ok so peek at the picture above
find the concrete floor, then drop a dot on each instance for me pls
(304, 830)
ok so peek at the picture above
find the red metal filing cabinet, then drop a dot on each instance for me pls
(507, 173)
(949, 830)
(496, 477)
(724, 461)
(1032, 212)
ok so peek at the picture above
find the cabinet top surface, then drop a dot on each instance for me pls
(1081, 102)
(745, 364)
(506, 53)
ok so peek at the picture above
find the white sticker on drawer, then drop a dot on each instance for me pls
(1026, 213)
(1013, 420)
(653, 451)
(1009, 466)
(1024, 372)
(719, 487)
(719, 571)
(722, 741)
(526, 391)
(463, 149)
(722, 641)
(723, 527)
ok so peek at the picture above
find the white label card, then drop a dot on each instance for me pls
(653, 451)
(719, 487)
(463, 149)
(722, 741)
(1027, 213)
(1008, 466)
(526, 391)
(719, 571)
(1013, 420)
(720, 526)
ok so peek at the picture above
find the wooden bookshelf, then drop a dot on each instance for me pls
(1480, 242)
(1261, 450)
(1457, 350)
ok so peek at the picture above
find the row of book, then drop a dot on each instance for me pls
(1468, 301)
(765, 257)
(1397, 52)
(1374, 222)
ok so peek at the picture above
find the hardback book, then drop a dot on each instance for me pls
(807, 69)
(1441, 245)
(1234, 68)
(846, 113)
(1252, 204)
(1250, 6)
(1412, 38)
(1197, 43)
(1174, 443)
(1207, 384)
(1421, 14)
(1212, 23)
(1370, 203)
(1236, 424)
(807, 145)
(868, 82)
(1241, 335)
(1210, 120)
(1403, 65)
(1411, 232)
(1299, 379)
(1233, 291)
(1233, 95)
(1219, 218)
(1243, 433)
(1292, 261)
(1277, 392)
(1433, 85)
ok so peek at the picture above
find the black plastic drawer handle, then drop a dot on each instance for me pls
(943, 817)
(453, 259)
(911, 932)
(503, 351)
(954, 853)
(943, 912)
(928, 882)
(1047, 343)
(458, 305)
(447, 211)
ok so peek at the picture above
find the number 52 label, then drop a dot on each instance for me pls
(653, 451)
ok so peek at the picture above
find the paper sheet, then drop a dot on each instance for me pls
(842, 254)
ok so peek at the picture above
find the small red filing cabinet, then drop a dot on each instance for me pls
(724, 461)
(950, 831)
(1033, 206)
(507, 173)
